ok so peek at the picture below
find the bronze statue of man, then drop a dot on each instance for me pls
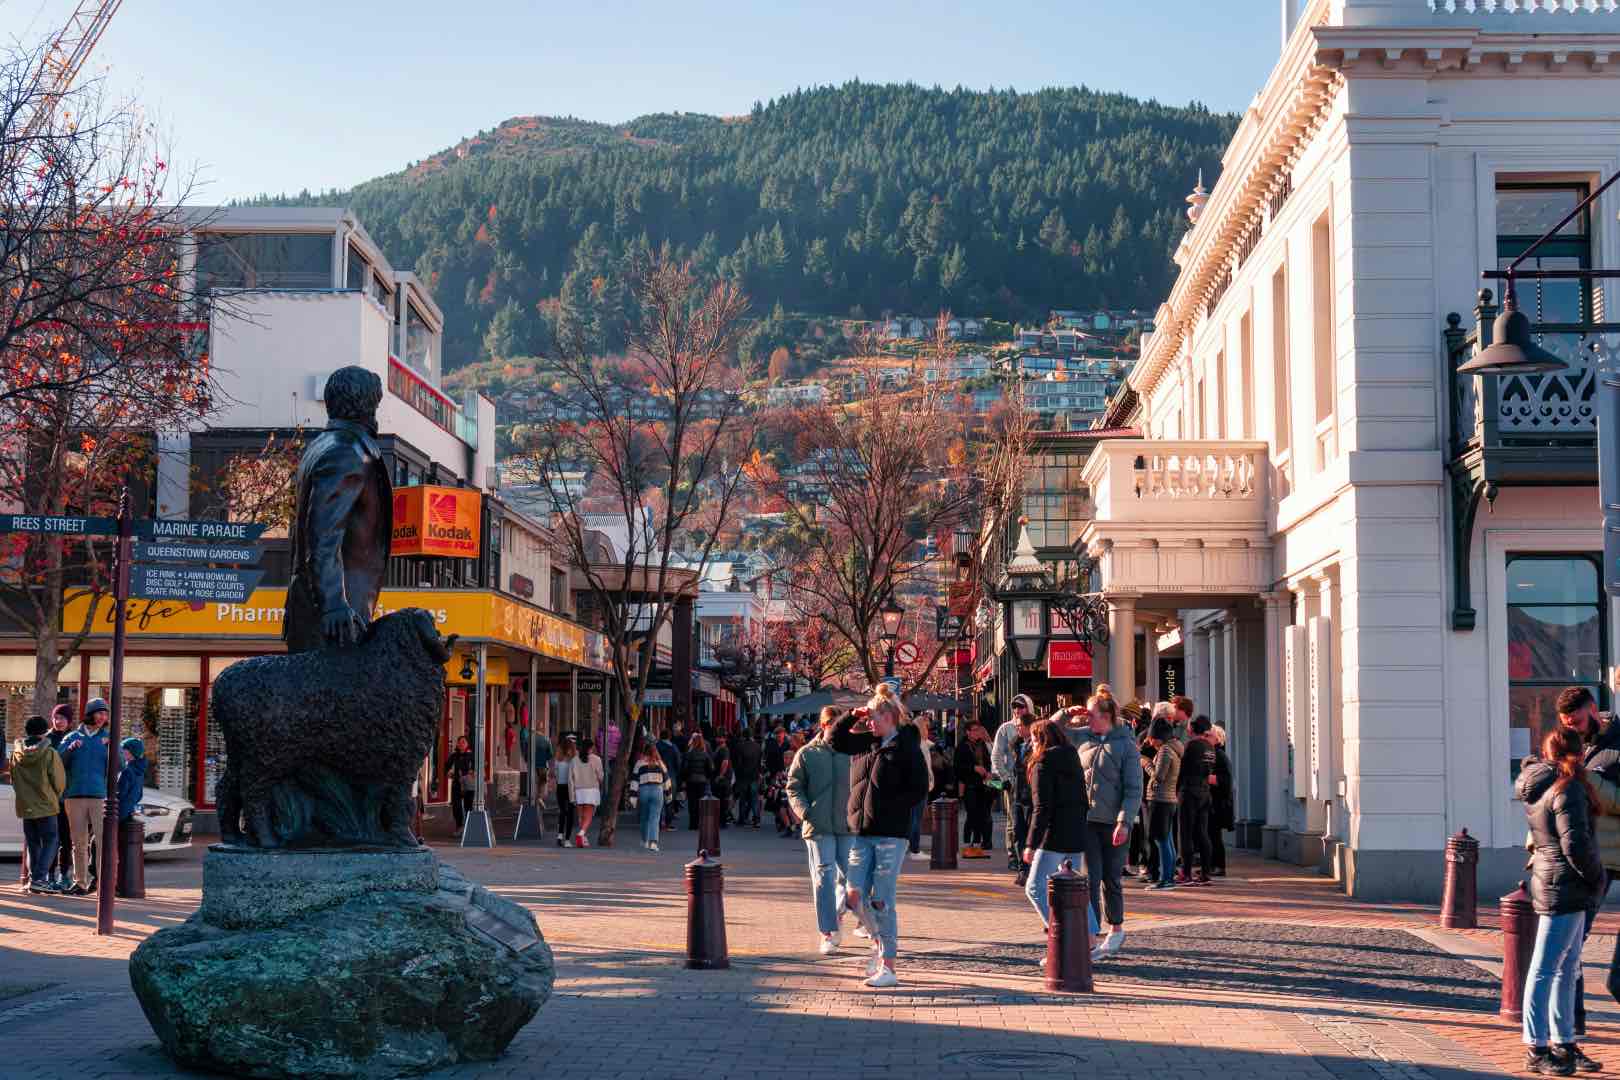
(343, 521)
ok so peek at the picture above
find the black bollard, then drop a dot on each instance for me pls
(1459, 902)
(942, 853)
(1068, 932)
(709, 824)
(706, 914)
(1518, 946)
(132, 859)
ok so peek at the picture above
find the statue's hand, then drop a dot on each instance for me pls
(341, 626)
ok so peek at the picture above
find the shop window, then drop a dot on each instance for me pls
(264, 261)
(1524, 213)
(1556, 638)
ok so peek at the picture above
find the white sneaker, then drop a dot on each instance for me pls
(874, 962)
(837, 938)
(827, 946)
(918, 856)
(653, 847)
(883, 979)
(1111, 945)
(860, 931)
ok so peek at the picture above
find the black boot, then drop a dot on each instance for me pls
(1540, 1061)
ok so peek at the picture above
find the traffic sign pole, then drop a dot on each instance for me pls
(107, 857)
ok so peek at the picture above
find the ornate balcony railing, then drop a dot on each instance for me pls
(1546, 409)
(1176, 480)
(1524, 7)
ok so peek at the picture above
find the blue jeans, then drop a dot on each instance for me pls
(41, 837)
(1164, 839)
(650, 809)
(1550, 986)
(829, 871)
(874, 871)
(1045, 865)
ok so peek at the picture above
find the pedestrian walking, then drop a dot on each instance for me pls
(1577, 710)
(1058, 813)
(84, 755)
(747, 757)
(697, 773)
(567, 815)
(586, 775)
(1164, 770)
(62, 872)
(463, 781)
(776, 750)
(38, 780)
(817, 791)
(723, 778)
(1194, 802)
(886, 779)
(1223, 801)
(539, 748)
(922, 722)
(671, 755)
(1566, 876)
(652, 776)
(1114, 782)
(1004, 758)
(973, 773)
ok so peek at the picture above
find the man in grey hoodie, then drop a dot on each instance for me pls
(1113, 768)
(818, 792)
(1004, 766)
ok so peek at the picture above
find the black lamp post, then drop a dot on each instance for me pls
(891, 613)
(1025, 595)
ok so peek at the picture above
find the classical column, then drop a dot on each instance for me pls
(1334, 823)
(1122, 645)
(1196, 650)
(1150, 664)
(1277, 606)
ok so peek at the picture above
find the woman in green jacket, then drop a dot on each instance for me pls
(818, 792)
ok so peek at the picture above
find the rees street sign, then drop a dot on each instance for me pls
(58, 525)
(178, 582)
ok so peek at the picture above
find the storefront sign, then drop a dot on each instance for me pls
(434, 520)
(1172, 676)
(658, 696)
(521, 586)
(206, 583)
(1068, 660)
(472, 614)
(947, 625)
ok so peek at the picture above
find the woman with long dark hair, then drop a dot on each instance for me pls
(1566, 880)
(697, 771)
(567, 758)
(460, 771)
(1057, 824)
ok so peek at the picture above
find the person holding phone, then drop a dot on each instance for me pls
(886, 779)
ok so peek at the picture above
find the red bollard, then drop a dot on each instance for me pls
(1518, 947)
(942, 852)
(708, 825)
(1459, 901)
(1068, 933)
(706, 914)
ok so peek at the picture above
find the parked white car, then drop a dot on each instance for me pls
(167, 819)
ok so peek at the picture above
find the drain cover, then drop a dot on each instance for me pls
(1011, 1060)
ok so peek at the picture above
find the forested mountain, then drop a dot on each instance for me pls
(850, 200)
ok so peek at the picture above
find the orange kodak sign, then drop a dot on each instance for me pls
(431, 520)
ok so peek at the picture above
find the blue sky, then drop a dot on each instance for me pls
(293, 94)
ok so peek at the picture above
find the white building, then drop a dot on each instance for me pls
(1382, 572)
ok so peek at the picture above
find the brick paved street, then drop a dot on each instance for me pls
(1314, 985)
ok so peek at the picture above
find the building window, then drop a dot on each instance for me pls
(358, 272)
(1246, 373)
(264, 261)
(383, 293)
(1056, 500)
(420, 349)
(1322, 344)
(1220, 395)
(1280, 396)
(1203, 417)
(1556, 638)
(1524, 213)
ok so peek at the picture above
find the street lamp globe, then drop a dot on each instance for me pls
(892, 613)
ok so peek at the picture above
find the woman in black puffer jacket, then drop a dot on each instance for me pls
(1057, 825)
(887, 778)
(1566, 880)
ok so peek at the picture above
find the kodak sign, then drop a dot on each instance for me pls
(431, 520)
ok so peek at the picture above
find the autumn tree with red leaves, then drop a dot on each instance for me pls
(101, 343)
(663, 435)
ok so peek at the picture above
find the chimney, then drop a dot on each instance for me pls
(1290, 16)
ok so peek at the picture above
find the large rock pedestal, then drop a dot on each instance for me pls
(341, 964)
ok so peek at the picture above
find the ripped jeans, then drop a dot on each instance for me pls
(874, 871)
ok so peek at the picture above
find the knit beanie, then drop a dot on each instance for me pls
(36, 726)
(135, 747)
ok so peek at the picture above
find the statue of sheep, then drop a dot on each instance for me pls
(323, 746)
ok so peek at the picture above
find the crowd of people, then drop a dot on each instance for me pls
(58, 774)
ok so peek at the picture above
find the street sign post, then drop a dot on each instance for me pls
(169, 553)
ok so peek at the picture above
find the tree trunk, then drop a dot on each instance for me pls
(47, 669)
(619, 771)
